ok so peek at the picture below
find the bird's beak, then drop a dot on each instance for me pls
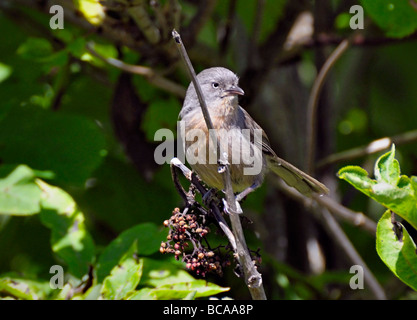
(234, 90)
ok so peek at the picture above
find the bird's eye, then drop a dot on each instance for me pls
(215, 84)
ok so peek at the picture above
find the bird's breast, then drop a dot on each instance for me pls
(246, 160)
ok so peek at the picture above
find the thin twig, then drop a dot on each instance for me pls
(327, 39)
(173, 9)
(333, 228)
(193, 76)
(252, 277)
(357, 219)
(160, 18)
(140, 16)
(343, 241)
(371, 148)
(191, 176)
(313, 103)
(177, 164)
(150, 75)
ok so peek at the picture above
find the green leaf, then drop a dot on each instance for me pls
(398, 254)
(147, 237)
(92, 10)
(387, 168)
(158, 273)
(5, 71)
(395, 192)
(69, 238)
(108, 51)
(190, 296)
(160, 114)
(181, 290)
(19, 194)
(342, 21)
(356, 176)
(124, 277)
(142, 294)
(35, 49)
(170, 281)
(70, 146)
(397, 18)
(26, 289)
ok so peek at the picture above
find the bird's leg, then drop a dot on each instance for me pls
(248, 190)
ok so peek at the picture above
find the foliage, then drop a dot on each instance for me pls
(397, 193)
(120, 265)
(79, 186)
(397, 18)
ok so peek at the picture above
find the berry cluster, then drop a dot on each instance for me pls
(186, 233)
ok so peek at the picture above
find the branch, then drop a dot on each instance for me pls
(355, 218)
(141, 17)
(338, 234)
(173, 8)
(332, 227)
(324, 39)
(213, 205)
(313, 103)
(253, 278)
(150, 75)
(160, 18)
(371, 148)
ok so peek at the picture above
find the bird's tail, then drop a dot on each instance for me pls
(296, 178)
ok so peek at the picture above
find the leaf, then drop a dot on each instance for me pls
(399, 255)
(160, 114)
(181, 290)
(107, 51)
(387, 168)
(147, 237)
(124, 277)
(142, 294)
(19, 194)
(190, 296)
(70, 146)
(5, 71)
(158, 273)
(169, 281)
(69, 238)
(26, 289)
(395, 192)
(356, 176)
(92, 10)
(397, 18)
(37, 49)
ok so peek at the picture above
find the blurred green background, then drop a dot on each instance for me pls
(87, 127)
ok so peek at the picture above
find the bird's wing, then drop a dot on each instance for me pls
(292, 176)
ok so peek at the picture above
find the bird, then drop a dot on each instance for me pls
(233, 127)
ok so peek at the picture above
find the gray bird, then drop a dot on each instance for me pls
(238, 134)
